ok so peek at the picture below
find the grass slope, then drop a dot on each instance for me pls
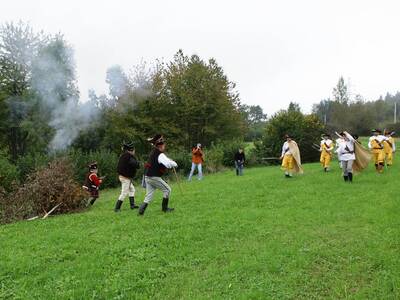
(257, 236)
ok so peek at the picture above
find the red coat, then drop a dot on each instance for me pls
(92, 184)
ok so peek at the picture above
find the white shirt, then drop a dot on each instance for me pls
(346, 149)
(338, 141)
(328, 142)
(168, 163)
(380, 138)
(285, 149)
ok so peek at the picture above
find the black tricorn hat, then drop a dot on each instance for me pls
(326, 134)
(376, 130)
(128, 146)
(288, 136)
(156, 140)
(93, 165)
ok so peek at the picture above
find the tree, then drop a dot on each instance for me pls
(18, 47)
(255, 120)
(194, 101)
(340, 92)
(305, 129)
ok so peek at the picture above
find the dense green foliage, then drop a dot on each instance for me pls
(9, 173)
(257, 236)
(304, 129)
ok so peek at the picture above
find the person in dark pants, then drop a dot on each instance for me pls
(240, 158)
(127, 167)
(156, 167)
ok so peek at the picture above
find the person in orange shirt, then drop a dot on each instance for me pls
(197, 161)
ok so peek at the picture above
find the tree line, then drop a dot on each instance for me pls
(188, 99)
(357, 115)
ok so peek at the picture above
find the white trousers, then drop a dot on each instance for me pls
(127, 188)
(154, 183)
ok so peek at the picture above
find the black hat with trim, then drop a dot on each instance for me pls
(93, 165)
(376, 130)
(128, 146)
(158, 139)
(288, 136)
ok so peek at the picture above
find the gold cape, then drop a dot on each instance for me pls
(363, 157)
(294, 149)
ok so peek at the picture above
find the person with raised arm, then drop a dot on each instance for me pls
(155, 168)
(326, 149)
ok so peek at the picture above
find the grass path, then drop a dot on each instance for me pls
(259, 236)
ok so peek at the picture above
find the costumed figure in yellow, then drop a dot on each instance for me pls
(291, 161)
(375, 144)
(389, 148)
(326, 149)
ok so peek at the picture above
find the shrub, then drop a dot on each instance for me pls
(305, 129)
(30, 163)
(229, 150)
(214, 159)
(107, 163)
(8, 173)
(44, 189)
(183, 159)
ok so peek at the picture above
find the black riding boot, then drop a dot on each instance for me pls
(164, 206)
(350, 177)
(142, 208)
(132, 202)
(346, 178)
(118, 206)
(92, 201)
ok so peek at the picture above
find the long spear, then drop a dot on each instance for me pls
(178, 181)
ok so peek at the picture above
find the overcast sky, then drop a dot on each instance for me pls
(275, 51)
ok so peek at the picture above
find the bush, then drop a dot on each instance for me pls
(183, 159)
(31, 162)
(229, 150)
(214, 159)
(107, 163)
(8, 173)
(305, 129)
(44, 189)
(392, 127)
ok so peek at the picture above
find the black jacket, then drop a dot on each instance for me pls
(127, 165)
(240, 157)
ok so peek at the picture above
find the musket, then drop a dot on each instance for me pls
(271, 158)
(315, 147)
(178, 181)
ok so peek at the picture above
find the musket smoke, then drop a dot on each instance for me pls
(53, 79)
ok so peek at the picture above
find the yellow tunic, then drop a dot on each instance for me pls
(389, 149)
(326, 153)
(377, 151)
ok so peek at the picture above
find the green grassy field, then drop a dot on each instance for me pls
(259, 236)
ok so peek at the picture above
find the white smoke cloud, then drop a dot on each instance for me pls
(53, 79)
